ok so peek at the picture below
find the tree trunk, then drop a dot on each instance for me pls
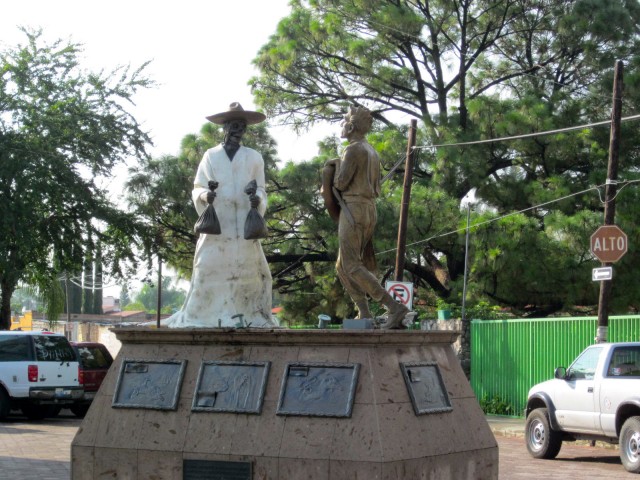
(5, 305)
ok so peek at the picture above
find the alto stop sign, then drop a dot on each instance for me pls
(609, 243)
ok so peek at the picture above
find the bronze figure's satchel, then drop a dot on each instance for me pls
(254, 226)
(208, 222)
(330, 200)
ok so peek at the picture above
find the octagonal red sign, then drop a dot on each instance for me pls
(609, 243)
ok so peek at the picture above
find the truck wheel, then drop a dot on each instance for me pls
(542, 441)
(630, 445)
(5, 404)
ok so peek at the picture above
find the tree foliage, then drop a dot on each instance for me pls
(171, 298)
(475, 70)
(61, 129)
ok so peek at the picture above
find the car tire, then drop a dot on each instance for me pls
(542, 441)
(79, 410)
(630, 444)
(5, 404)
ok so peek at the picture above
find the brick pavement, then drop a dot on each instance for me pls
(37, 449)
(41, 450)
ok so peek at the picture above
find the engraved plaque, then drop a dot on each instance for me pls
(151, 384)
(426, 387)
(318, 389)
(215, 470)
(231, 387)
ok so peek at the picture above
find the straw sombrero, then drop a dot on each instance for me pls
(236, 112)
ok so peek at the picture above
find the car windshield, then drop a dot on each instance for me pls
(92, 357)
(53, 348)
(584, 367)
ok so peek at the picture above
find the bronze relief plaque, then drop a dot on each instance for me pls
(318, 389)
(150, 384)
(228, 386)
(426, 387)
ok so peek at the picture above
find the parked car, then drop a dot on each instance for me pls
(38, 373)
(596, 398)
(95, 361)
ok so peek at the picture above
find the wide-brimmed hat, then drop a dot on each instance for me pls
(236, 112)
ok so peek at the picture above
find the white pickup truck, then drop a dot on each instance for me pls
(39, 374)
(596, 398)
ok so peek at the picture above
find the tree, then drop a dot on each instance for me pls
(61, 128)
(471, 70)
(172, 298)
(124, 296)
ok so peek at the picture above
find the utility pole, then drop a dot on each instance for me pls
(466, 265)
(159, 303)
(66, 293)
(406, 199)
(610, 194)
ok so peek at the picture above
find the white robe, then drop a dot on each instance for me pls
(230, 274)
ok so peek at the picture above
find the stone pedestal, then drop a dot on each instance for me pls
(383, 435)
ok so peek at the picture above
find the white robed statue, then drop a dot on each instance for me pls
(231, 281)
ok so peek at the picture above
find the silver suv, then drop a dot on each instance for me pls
(38, 373)
(596, 398)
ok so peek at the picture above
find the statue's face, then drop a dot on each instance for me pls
(347, 127)
(233, 131)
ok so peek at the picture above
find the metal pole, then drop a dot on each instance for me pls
(159, 304)
(66, 292)
(610, 194)
(466, 265)
(406, 198)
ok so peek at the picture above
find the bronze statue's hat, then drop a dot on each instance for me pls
(236, 112)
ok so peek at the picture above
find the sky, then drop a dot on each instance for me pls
(200, 55)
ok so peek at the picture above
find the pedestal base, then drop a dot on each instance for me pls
(390, 432)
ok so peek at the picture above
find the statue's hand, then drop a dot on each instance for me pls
(208, 197)
(332, 163)
(255, 200)
(251, 188)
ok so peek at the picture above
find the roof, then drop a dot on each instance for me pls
(127, 314)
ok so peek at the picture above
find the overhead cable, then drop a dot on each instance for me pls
(460, 230)
(526, 135)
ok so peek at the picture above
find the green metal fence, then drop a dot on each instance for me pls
(510, 356)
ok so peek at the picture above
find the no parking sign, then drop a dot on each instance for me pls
(401, 292)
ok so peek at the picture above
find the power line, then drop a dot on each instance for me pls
(527, 135)
(597, 188)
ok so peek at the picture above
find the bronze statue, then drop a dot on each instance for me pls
(351, 197)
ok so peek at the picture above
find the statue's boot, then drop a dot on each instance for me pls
(396, 313)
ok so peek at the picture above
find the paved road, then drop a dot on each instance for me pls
(37, 449)
(573, 462)
(41, 450)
